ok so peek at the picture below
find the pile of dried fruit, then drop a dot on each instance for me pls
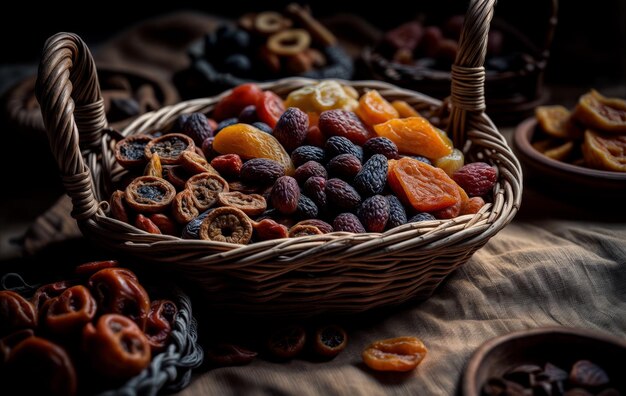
(593, 135)
(323, 160)
(81, 335)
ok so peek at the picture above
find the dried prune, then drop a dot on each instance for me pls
(261, 126)
(291, 128)
(315, 188)
(321, 225)
(16, 313)
(395, 354)
(397, 214)
(268, 229)
(421, 217)
(372, 178)
(261, 171)
(130, 152)
(250, 204)
(149, 194)
(226, 224)
(343, 123)
(169, 147)
(304, 154)
(287, 342)
(380, 145)
(204, 188)
(229, 355)
(374, 213)
(348, 222)
(344, 166)
(310, 169)
(192, 229)
(183, 207)
(336, 145)
(306, 208)
(196, 126)
(248, 115)
(194, 163)
(285, 195)
(300, 230)
(228, 165)
(476, 178)
(341, 196)
(164, 223)
(225, 123)
(330, 341)
(118, 207)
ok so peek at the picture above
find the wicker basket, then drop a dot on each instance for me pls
(338, 272)
(170, 370)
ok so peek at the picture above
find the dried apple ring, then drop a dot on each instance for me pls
(204, 188)
(226, 224)
(149, 194)
(300, 230)
(250, 204)
(195, 163)
(170, 147)
(131, 152)
(183, 207)
(154, 168)
(289, 42)
(270, 22)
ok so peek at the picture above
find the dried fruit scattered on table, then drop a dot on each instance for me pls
(194, 163)
(300, 230)
(451, 163)
(397, 213)
(169, 147)
(226, 224)
(224, 354)
(149, 194)
(601, 113)
(204, 188)
(240, 97)
(404, 109)
(344, 167)
(131, 151)
(164, 223)
(196, 126)
(69, 312)
(118, 207)
(249, 142)
(415, 135)
(329, 341)
(268, 229)
(380, 145)
(228, 165)
(269, 108)
(183, 207)
(372, 178)
(285, 195)
(374, 109)
(341, 196)
(343, 123)
(556, 121)
(337, 145)
(315, 188)
(348, 222)
(374, 213)
(310, 169)
(395, 354)
(421, 186)
(306, 208)
(326, 95)
(287, 342)
(606, 152)
(321, 225)
(16, 313)
(304, 154)
(250, 204)
(291, 128)
(476, 178)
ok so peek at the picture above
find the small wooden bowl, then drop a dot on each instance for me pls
(560, 177)
(560, 346)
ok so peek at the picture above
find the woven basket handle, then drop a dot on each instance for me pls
(468, 72)
(72, 107)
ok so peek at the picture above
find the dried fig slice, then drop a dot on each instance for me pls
(300, 230)
(194, 163)
(226, 224)
(130, 152)
(154, 167)
(149, 194)
(604, 151)
(170, 147)
(205, 187)
(118, 207)
(250, 204)
(183, 207)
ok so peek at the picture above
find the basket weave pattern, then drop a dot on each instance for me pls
(338, 272)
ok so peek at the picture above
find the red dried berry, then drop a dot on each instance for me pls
(261, 171)
(336, 145)
(228, 165)
(343, 123)
(344, 166)
(397, 214)
(315, 188)
(380, 145)
(304, 154)
(341, 196)
(291, 128)
(310, 169)
(285, 195)
(196, 126)
(306, 208)
(374, 213)
(372, 178)
(477, 178)
(348, 222)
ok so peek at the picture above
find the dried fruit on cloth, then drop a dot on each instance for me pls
(395, 354)
(605, 151)
(415, 135)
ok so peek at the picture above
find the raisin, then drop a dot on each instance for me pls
(192, 229)
(169, 147)
(336, 145)
(395, 354)
(341, 196)
(300, 230)
(374, 213)
(372, 178)
(205, 187)
(285, 195)
(226, 224)
(304, 154)
(348, 222)
(310, 169)
(248, 115)
(380, 145)
(397, 214)
(421, 217)
(131, 151)
(228, 165)
(315, 188)
(225, 123)
(149, 194)
(197, 127)
(343, 123)
(250, 204)
(268, 229)
(344, 166)
(144, 223)
(321, 225)
(476, 178)
(306, 208)
(263, 127)
(291, 128)
(261, 171)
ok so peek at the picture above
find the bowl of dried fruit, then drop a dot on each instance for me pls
(584, 149)
(291, 197)
(547, 361)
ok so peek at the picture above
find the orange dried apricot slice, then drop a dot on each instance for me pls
(605, 152)
(556, 122)
(423, 187)
(249, 142)
(395, 354)
(599, 112)
(404, 109)
(374, 109)
(415, 135)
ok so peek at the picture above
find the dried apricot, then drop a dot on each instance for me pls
(395, 354)
(164, 223)
(250, 204)
(472, 205)
(149, 194)
(144, 223)
(374, 109)
(194, 163)
(602, 113)
(169, 147)
(249, 142)
(204, 188)
(415, 135)
(556, 121)
(404, 109)
(291, 128)
(605, 152)
(154, 168)
(226, 224)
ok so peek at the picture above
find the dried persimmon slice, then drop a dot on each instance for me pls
(130, 152)
(226, 224)
(183, 207)
(149, 194)
(250, 204)
(205, 187)
(170, 147)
